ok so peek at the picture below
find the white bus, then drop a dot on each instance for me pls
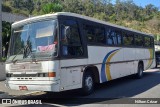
(64, 51)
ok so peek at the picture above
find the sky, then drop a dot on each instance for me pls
(143, 3)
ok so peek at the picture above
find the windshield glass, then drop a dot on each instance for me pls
(34, 40)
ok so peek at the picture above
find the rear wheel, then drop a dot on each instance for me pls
(139, 71)
(88, 83)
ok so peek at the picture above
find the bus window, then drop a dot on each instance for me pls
(138, 40)
(89, 31)
(94, 34)
(147, 41)
(111, 37)
(127, 39)
(119, 37)
(152, 42)
(71, 42)
(100, 35)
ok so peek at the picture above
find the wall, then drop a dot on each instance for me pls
(2, 71)
(9, 17)
(0, 28)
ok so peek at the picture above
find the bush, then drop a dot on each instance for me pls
(3, 59)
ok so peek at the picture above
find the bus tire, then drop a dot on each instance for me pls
(156, 65)
(88, 83)
(139, 71)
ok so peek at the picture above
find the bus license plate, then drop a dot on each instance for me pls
(23, 87)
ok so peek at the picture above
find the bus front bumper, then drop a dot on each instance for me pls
(34, 85)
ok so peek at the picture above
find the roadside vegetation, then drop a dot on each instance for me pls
(122, 12)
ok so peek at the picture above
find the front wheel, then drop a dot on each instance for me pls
(88, 83)
(156, 65)
(139, 71)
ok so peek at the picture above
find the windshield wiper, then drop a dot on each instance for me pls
(14, 61)
(28, 52)
(24, 49)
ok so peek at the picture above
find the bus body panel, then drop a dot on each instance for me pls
(121, 63)
(39, 85)
(71, 73)
(21, 78)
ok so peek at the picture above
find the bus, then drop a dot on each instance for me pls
(65, 51)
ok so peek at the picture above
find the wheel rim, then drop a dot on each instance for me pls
(89, 82)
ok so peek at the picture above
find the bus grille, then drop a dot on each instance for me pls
(25, 66)
(27, 75)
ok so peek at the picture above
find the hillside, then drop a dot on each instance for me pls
(125, 13)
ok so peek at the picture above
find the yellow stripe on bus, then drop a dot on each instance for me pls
(151, 58)
(108, 74)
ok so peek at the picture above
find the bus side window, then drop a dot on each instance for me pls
(111, 37)
(89, 32)
(100, 35)
(114, 37)
(128, 39)
(119, 37)
(152, 42)
(108, 37)
(138, 40)
(147, 41)
(94, 34)
(71, 41)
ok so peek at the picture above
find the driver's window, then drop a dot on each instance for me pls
(71, 42)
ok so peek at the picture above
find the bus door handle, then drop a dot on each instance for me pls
(73, 70)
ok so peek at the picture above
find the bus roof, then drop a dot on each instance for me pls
(48, 16)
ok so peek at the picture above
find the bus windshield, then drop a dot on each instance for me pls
(33, 40)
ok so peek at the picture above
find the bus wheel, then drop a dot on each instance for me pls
(156, 65)
(139, 71)
(88, 83)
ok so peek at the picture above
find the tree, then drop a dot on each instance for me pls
(123, 12)
(52, 7)
(29, 5)
(6, 31)
(75, 6)
(17, 3)
(119, 7)
(150, 9)
(89, 9)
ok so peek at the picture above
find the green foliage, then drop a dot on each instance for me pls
(123, 12)
(29, 5)
(6, 31)
(3, 59)
(75, 6)
(101, 16)
(101, 9)
(6, 8)
(51, 7)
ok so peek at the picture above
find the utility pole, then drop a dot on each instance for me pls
(0, 29)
